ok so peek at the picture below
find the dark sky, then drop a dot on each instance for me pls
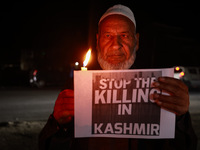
(61, 32)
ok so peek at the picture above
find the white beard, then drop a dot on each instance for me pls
(120, 66)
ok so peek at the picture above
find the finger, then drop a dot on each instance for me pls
(65, 113)
(165, 98)
(166, 106)
(171, 100)
(64, 107)
(181, 101)
(171, 89)
(171, 107)
(68, 100)
(67, 107)
(173, 104)
(62, 101)
(173, 82)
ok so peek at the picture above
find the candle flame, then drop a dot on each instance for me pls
(87, 58)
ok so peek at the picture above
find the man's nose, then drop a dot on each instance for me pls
(116, 43)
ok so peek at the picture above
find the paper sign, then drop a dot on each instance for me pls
(117, 104)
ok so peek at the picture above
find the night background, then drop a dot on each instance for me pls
(54, 35)
(42, 41)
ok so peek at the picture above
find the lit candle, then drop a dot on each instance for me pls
(87, 58)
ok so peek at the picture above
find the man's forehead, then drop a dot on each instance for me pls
(116, 21)
(110, 28)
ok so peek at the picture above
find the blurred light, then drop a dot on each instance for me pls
(35, 72)
(76, 63)
(181, 74)
(34, 78)
(177, 68)
(31, 80)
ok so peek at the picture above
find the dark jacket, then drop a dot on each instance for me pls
(55, 137)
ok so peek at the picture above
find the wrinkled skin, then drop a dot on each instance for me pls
(117, 41)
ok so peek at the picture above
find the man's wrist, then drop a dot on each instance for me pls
(63, 126)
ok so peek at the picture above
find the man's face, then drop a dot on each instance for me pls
(117, 42)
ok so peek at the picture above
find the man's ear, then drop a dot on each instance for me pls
(137, 41)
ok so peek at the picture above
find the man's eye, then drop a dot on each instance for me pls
(124, 35)
(107, 35)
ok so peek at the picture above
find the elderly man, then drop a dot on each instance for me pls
(117, 44)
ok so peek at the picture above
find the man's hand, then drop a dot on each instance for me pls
(64, 107)
(178, 99)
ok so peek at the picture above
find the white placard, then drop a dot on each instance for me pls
(117, 104)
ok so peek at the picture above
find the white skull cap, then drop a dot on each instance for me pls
(119, 10)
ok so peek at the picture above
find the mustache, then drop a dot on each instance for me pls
(123, 65)
(114, 53)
